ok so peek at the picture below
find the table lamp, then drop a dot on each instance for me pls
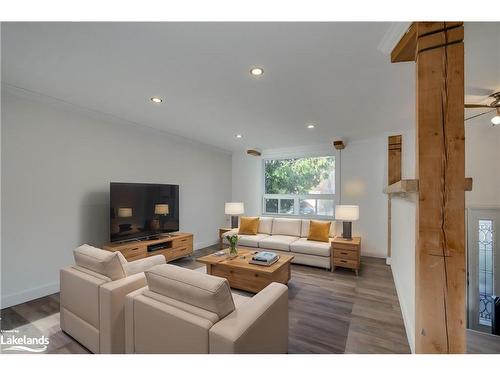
(234, 209)
(348, 214)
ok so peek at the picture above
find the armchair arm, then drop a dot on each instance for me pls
(111, 311)
(258, 326)
(142, 265)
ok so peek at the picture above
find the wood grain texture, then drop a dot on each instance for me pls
(179, 245)
(440, 253)
(246, 276)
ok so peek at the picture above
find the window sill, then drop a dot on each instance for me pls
(303, 217)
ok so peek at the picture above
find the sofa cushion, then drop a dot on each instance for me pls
(251, 241)
(277, 242)
(207, 292)
(249, 225)
(304, 232)
(108, 263)
(265, 225)
(319, 230)
(287, 227)
(305, 246)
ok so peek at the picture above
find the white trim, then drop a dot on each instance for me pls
(30, 294)
(392, 36)
(201, 245)
(409, 330)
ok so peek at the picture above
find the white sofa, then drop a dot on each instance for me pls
(288, 236)
(184, 311)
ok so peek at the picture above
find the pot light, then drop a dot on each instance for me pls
(156, 99)
(311, 126)
(496, 120)
(239, 136)
(257, 71)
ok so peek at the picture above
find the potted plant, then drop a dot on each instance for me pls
(233, 241)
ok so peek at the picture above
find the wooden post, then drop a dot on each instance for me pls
(438, 50)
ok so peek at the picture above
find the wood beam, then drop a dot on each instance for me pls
(406, 49)
(440, 147)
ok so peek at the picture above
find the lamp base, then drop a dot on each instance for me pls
(234, 222)
(347, 230)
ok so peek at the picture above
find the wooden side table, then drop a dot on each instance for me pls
(221, 232)
(346, 253)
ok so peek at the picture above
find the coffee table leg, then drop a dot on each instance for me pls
(209, 269)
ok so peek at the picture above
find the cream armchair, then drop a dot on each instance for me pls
(184, 311)
(93, 293)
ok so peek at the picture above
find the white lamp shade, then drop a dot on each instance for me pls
(125, 212)
(234, 208)
(161, 209)
(347, 212)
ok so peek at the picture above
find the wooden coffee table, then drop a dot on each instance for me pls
(246, 276)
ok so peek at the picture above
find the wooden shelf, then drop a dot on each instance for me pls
(411, 186)
(402, 186)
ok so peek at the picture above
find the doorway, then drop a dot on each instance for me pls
(483, 262)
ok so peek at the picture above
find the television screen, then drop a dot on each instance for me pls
(142, 210)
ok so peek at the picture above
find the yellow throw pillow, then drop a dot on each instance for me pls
(319, 230)
(249, 225)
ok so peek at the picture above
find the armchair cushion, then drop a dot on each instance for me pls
(142, 265)
(109, 264)
(204, 291)
(260, 325)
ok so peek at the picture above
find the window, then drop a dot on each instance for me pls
(299, 186)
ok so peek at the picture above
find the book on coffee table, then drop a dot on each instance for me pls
(264, 258)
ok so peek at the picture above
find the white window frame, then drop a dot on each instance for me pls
(297, 197)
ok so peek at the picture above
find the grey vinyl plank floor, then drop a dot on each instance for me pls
(328, 312)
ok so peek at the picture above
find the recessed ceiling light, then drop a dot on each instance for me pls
(257, 71)
(156, 99)
(311, 126)
(239, 136)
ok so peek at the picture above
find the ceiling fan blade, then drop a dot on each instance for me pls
(470, 118)
(477, 106)
(478, 91)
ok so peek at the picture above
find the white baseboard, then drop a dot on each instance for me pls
(409, 330)
(388, 261)
(29, 295)
(201, 245)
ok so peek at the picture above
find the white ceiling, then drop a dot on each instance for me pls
(336, 75)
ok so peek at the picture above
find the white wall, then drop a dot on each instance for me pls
(57, 162)
(403, 239)
(363, 180)
(247, 182)
(482, 162)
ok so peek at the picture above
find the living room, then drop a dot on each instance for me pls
(250, 187)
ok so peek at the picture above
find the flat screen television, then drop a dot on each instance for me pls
(142, 211)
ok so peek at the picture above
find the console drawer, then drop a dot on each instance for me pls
(181, 242)
(134, 252)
